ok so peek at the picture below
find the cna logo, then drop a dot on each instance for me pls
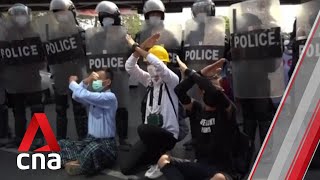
(39, 120)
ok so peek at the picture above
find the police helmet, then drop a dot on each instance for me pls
(203, 6)
(61, 5)
(64, 5)
(19, 9)
(153, 6)
(108, 9)
(20, 14)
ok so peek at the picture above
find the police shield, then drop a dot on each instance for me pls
(204, 41)
(305, 20)
(21, 44)
(107, 48)
(63, 42)
(256, 49)
(3, 40)
(170, 37)
(3, 33)
(23, 56)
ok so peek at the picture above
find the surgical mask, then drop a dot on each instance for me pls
(107, 21)
(154, 20)
(97, 85)
(63, 17)
(152, 71)
(201, 17)
(21, 20)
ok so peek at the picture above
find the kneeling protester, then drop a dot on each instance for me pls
(160, 130)
(98, 151)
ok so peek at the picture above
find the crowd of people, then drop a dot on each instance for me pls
(210, 84)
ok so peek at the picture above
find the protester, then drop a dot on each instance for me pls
(160, 130)
(98, 150)
(216, 121)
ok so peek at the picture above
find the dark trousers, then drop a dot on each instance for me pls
(183, 170)
(154, 141)
(257, 113)
(4, 126)
(19, 102)
(80, 117)
(194, 128)
(122, 123)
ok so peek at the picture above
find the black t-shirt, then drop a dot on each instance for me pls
(214, 135)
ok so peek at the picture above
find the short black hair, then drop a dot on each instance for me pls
(109, 73)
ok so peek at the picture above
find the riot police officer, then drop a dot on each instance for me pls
(170, 34)
(65, 13)
(3, 107)
(257, 68)
(110, 18)
(21, 73)
(205, 42)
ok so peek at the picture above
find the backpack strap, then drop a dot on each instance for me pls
(151, 95)
(167, 89)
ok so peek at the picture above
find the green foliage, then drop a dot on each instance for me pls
(227, 20)
(133, 23)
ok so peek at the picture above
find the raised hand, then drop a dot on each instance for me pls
(94, 76)
(213, 69)
(73, 78)
(130, 41)
(182, 65)
(151, 41)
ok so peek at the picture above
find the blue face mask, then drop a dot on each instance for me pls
(97, 85)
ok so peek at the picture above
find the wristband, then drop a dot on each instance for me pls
(134, 46)
(199, 72)
(189, 72)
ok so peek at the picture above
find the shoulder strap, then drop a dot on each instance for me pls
(167, 89)
(150, 92)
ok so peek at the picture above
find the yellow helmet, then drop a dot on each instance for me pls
(160, 52)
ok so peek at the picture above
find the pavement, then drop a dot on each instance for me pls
(9, 170)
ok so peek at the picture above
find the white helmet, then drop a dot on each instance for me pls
(20, 14)
(62, 5)
(203, 6)
(108, 9)
(153, 6)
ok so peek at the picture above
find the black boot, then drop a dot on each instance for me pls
(81, 120)
(4, 126)
(122, 128)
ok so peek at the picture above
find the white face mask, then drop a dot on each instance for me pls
(155, 20)
(201, 17)
(107, 21)
(151, 70)
(21, 20)
(63, 17)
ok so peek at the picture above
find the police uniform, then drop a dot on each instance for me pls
(61, 73)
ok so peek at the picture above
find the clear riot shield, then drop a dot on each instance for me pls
(23, 44)
(63, 40)
(107, 48)
(204, 41)
(256, 49)
(64, 47)
(23, 56)
(3, 35)
(305, 21)
(170, 38)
